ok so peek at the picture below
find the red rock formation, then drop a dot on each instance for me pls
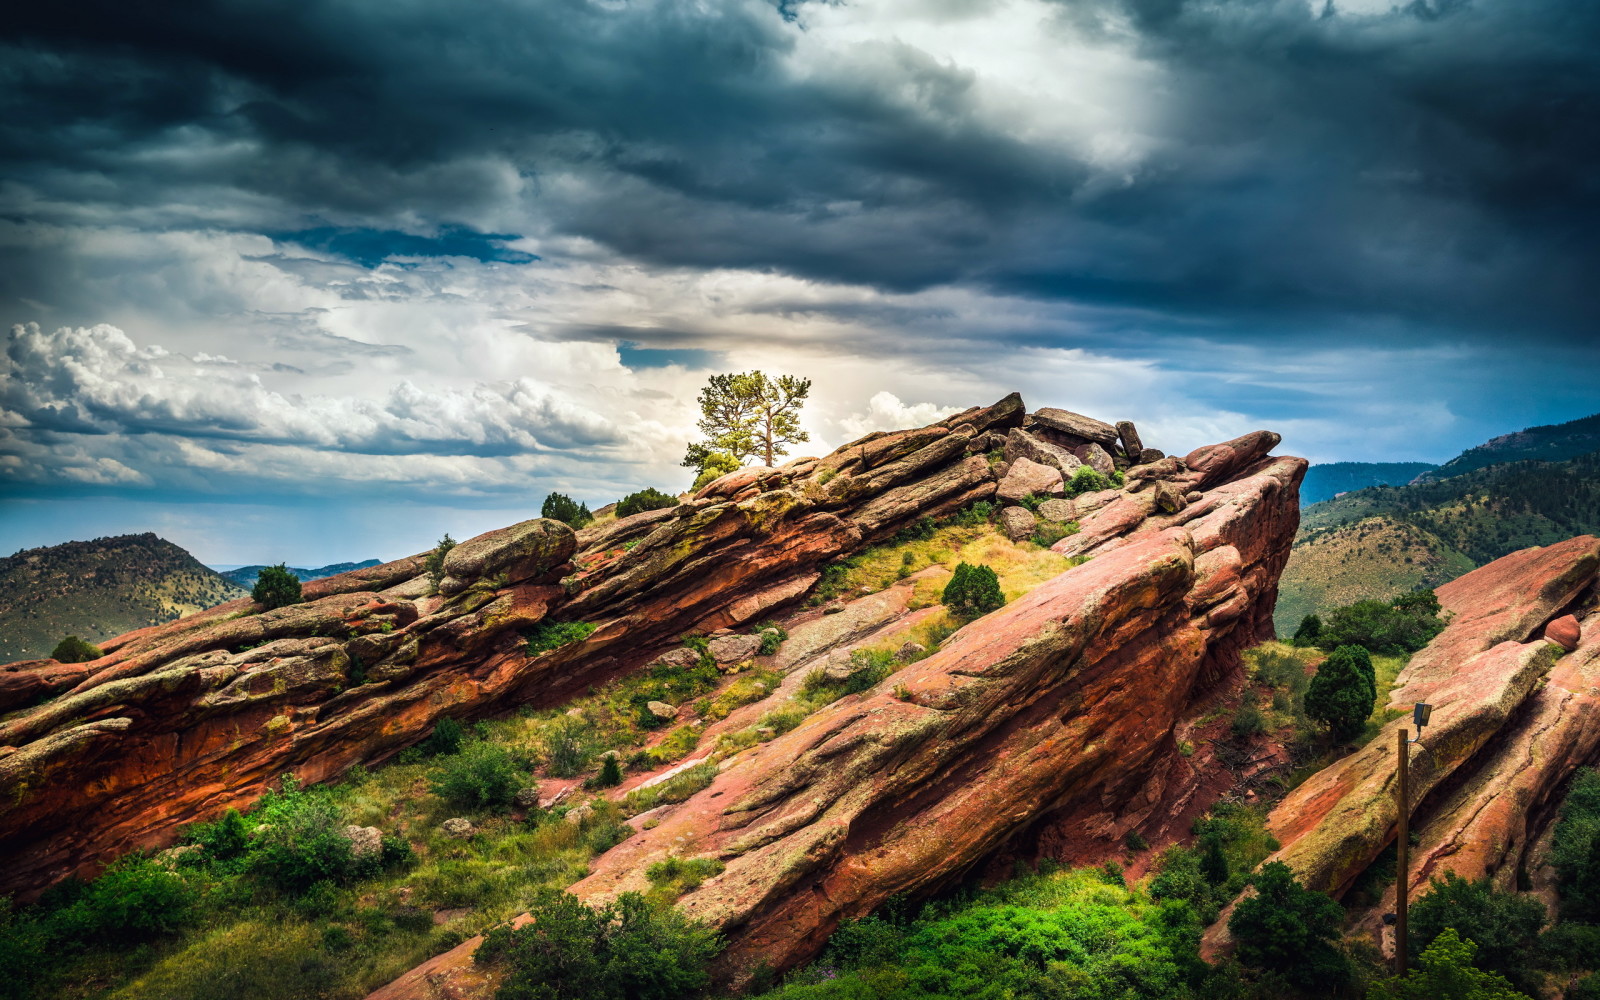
(1056, 711)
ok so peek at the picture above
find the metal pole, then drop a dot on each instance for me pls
(1403, 878)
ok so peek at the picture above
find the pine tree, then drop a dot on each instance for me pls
(610, 773)
(276, 587)
(746, 415)
(973, 591)
(74, 650)
(1343, 692)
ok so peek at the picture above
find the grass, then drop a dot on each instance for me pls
(1019, 567)
(675, 789)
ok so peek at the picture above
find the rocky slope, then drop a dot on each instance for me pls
(1512, 681)
(98, 589)
(1047, 726)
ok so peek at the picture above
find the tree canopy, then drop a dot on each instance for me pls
(1343, 692)
(746, 415)
(276, 587)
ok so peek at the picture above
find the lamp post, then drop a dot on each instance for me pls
(1402, 889)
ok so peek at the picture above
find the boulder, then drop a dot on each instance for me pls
(838, 666)
(733, 648)
(683, 656)
(1149, 455)
(910, 651)
(1564, 632)
(662, 710)
(580, 814)
(1060, 509)
(526, 551)
(1095, 457)
(1017, 522)
(1215, 463)
(526, 798)
(365, 841)
(1020, 444)
(1069, 425)
(1169, 499)
(1027, 477)
(458, 827)
(1128, 435)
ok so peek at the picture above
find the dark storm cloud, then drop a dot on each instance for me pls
(1432, 165)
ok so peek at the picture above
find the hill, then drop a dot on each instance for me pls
(99, 589)
(1548, 443)
(1384, 541)
(1324, 482)
(245, 576)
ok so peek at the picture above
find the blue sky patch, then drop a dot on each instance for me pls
(371, 247)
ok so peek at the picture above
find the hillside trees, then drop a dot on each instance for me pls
(648, 498)
(746, 415)
(560, 507)
(1288, 929)
(1342, 693)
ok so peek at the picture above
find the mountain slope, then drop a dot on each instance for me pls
(1324, 482)
(99, 589)
(1547, 443)
(1384, 541)
(245, 576)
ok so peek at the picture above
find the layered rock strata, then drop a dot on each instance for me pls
(1057, 711)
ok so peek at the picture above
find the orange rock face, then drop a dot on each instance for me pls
(1054, 713)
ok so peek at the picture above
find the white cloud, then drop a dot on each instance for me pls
(885, 412)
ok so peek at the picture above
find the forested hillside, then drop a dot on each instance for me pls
(1324, 482)
(98, 589)
(1546, 443)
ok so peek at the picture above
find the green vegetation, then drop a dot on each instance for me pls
(74, 650)
(98, 589)
(1228, 845)
(675, 789)
(1046, 533)
(744, 416)
(1289, 931)
(276, 587)
(1309, 631)
(674, 876)
(867, 668)
(1085, 479)
(648, 498)
(610, 774)
(973, 591)
(1324, 480)
(434, 564)
(560, 507)
(1446, 971)
(772, 637)
(482, 775)
(1342, 694)
(1575, 850)
(1502, 926)
(548, 635)
(624, 950)
(1393, 628)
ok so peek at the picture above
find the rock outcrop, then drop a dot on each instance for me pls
(1049, 720)
(1513, 714)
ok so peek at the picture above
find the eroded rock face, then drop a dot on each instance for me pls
(1513, 715)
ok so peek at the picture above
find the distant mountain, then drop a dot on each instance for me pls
(1324, 482)
(245, 576)
(1385, 541)
(99, 589)
(1549, 443)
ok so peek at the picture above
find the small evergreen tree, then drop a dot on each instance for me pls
(973, 591)
(560, 507)
(74, 650)
(1288, 929)
(276, 587)
(1309, 632)
(610, 773)
(434, 565)
(648, 498)
(1343, 691)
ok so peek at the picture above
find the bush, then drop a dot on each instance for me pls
(1402, 626)
(1047, 533)
(1445, 971)
(1287, 929)
(276, 587)
(434, 564)
(919, 530)
(302, 840)
(135, 899)
(1309, 632)
(1343, 691)
(610, 775)
(1575, 850)
(772, 637)
(648, 498)
(223, 840)
(1248, 721)
(978, 513)
(546, 636)
(1504, 926)
(1086, 480)
(973, 591)
(624, 950)
(560, 507)
(445, 739)
(74, 650)
(481, 776)
(567, 747)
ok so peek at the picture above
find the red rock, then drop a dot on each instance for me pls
(1563, 632)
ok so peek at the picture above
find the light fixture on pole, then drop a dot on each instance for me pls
(1420, 713)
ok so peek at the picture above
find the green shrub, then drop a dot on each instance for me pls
(919, 530)
(1504, 926)
(979, 512)
(546, 636)
(1086, 480)
(301, 839)
(678, 875)
(560, 507)
(1309, 632)
(648, 498)
(1575, 850)
(772, 637)
(434, 564)
(1135, 841)
(1033, 501)
(276, 587)
(1401, 626)
(135, 899)
(1248, 720)
(867, 668)
(610, 775)
(224, 839)
(445, 739)
(1343, 691)
(567, 747)
(74, 650)
(973, 591)
(1047, 533)
(1289, 930)
(675, 789)
(1445, 971)
(481, 776)
(623, 950)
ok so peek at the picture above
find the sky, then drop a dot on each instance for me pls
(322, 281)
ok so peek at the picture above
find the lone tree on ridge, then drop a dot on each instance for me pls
(746, 415)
